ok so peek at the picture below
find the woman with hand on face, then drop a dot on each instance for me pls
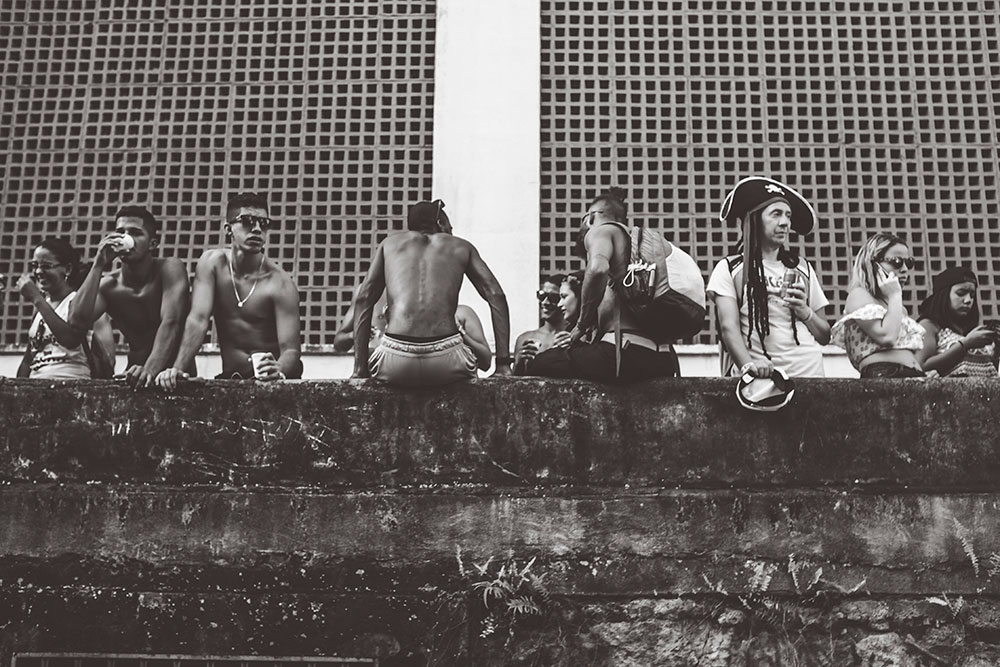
(55, 349)
(955, 343)
(881, 339)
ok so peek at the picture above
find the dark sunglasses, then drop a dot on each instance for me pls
(551, 297)
(249, 221)
(898, 262)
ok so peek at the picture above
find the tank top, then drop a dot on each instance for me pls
(52, 360)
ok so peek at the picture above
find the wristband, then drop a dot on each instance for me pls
(745, 367)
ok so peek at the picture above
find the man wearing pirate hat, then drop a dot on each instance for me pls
(769, 302)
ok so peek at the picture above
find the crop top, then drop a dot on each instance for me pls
(846, 333)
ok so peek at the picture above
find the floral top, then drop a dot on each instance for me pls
(977, 362)
(847, 334)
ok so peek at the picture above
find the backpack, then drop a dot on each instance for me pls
(662, 288)
(735, 265)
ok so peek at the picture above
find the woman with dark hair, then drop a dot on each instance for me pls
(55, 349)
(881, 339)
(768, 300)
(955, 344)
(569, 298)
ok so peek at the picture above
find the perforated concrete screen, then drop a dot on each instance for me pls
(324, 105)
(885, 115)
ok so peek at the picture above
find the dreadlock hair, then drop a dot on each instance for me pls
(757, 296)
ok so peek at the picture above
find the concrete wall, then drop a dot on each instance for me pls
(657, 524)
(695, 360)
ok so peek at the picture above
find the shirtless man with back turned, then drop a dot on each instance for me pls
(253, 301)
(422, 271)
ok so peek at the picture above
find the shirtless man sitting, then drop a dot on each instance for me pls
(147, 302)
(531, 343)
(253, 301)
(422, 271)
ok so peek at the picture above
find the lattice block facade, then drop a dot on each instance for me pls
(326, 105)
(885, 115)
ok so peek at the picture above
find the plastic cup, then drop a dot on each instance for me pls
(124, 244)
(255, 359)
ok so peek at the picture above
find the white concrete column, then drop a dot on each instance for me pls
(487, 136)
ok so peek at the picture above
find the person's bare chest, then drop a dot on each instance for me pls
(135, 304)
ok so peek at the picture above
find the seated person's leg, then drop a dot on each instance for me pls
(582, 361)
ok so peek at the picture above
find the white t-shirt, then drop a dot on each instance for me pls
(802, 360)
(53, 361)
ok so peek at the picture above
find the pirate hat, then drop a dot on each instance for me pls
(765, 394)
(754, 192)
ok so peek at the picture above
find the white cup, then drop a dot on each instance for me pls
(255, 359)
(124, 244)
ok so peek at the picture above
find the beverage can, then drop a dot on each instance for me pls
(789, 279)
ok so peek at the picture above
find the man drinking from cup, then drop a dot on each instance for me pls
(147, 301)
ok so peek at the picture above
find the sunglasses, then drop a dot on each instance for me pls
(898, 262)
(35, 266)
(249, 221)
(551, 297)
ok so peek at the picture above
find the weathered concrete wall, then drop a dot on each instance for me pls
(653, 525)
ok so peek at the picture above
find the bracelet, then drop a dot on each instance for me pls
(745, 367)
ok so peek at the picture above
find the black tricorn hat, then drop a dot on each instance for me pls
(754, 192)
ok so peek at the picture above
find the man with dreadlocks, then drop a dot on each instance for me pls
(768, 301)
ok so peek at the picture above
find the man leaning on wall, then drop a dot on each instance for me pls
(252, 300)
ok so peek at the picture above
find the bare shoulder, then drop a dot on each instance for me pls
(213, 257)
(282, 279)
(171, 267)
(929, 326)
(858, 297)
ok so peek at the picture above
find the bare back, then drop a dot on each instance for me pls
(423, 276)
(619, 242)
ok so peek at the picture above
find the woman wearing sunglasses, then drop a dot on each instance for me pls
(56, 350)
(881, 339)
(955, 343)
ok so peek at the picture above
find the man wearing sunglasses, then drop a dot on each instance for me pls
(422, 270)
(529, 344)
(252, 300)
(147, 301)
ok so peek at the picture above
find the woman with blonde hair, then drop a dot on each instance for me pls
(881, 339)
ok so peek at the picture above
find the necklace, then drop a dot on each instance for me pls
(232, 276)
